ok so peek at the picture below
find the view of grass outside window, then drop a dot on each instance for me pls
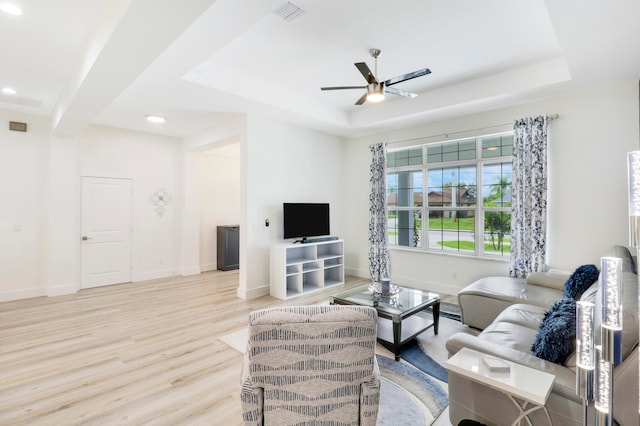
(462, 187)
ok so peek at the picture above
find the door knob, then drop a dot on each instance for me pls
(85, 238)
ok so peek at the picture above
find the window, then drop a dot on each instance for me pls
(461, 188)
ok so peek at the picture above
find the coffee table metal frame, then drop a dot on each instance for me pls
(399, 309)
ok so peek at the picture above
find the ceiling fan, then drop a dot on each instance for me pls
(376, 89)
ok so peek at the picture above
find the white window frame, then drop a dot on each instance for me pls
(479, 163)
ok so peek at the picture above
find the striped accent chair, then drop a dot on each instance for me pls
(311, 365)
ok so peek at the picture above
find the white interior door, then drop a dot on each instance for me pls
(106, 231)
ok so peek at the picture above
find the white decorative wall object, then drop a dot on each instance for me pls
(160, 199)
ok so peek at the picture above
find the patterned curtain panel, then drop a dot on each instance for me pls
(529, 203)
(378, 244)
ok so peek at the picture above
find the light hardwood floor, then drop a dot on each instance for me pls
(138, 353)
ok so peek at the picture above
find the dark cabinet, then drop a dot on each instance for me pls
(228, 247)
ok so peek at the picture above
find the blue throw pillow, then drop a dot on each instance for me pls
(581, 279)
(557, 332)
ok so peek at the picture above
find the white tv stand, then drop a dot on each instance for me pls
(298, 269)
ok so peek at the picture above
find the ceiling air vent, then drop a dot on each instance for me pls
(288, 11)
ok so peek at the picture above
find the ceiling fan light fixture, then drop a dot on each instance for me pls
(375, 92)
(377, 89)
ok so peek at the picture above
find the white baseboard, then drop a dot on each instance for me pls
(208, 267)
(195, 270)
(253, 293)
(61, 290)
(356, 273)
(7, 296)
(426, 285)
(152, 275)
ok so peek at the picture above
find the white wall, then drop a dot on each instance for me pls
(587, 186)
(41, 185)
(23, 169)
(152, 162)
(219, 202)
(285, 163)
(62, 232)
(39, 223)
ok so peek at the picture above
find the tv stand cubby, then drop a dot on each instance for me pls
(298, 269)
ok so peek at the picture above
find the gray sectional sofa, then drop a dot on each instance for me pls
(509, 311)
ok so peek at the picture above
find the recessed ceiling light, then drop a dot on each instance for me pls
(10, 8)
(9, 90)
(156, 119)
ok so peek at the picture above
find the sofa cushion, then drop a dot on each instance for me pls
(557, 331)
(481, 301)
(528, 316)
(628, 265)
(581, 279)
(509, 335)
(553, 280)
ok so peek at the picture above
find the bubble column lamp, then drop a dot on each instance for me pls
(608, 353)
(585, 352)
(633, 173)
(603, 389)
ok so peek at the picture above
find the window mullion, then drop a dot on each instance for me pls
(479, 234)
(425, 203)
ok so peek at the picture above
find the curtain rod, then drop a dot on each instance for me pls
(446, 135)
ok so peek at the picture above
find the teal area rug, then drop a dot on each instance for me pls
(421, 373)
(428, 351)
(413, 353)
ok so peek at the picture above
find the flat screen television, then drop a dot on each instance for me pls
(305, 219)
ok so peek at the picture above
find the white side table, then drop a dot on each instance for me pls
(527, 384)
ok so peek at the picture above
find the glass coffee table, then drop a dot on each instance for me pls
(398, 310)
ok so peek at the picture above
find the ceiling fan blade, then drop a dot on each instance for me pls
(366, 72)
(343, 87)
(361, 100)
(400, 92)
(409, 76)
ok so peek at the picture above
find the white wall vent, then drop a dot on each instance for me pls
(288, 11)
